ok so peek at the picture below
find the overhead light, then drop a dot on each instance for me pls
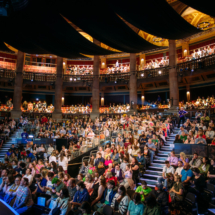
(159, 72)
(70, 79)
(142, 74)
(74, 79)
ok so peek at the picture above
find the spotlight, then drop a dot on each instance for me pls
(142, 74)
(74, 79)
(70, 79)
(159, 72)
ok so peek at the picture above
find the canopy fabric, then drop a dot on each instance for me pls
(155, 17)
(104, 25)
(205, 6)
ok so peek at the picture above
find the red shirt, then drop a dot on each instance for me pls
(44, 120)
(203, 136)
(23, 153)
(126, 145)
(113, 178)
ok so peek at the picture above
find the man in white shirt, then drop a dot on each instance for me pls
(179, 169)
(166, 169)
(63, 131)
(28, 176)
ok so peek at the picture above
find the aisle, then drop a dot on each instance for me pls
(156, 167)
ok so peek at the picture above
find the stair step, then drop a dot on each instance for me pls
(160, 158)
(163, 155)
(153, 172)
(151, 176)
(159, 161)
(149, 181)
(158, 164)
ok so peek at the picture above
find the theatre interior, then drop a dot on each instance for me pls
(107, 107)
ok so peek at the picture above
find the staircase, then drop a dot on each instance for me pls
(7, 145)
(156, 167)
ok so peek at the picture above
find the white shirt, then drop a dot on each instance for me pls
(168, 170)
(52, 158)
(178, 170)
(63, 163)
(30, 179)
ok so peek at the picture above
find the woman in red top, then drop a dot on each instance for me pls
(126, 143)
(109, 177)
(213, 142)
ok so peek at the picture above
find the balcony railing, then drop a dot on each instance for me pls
(191, 66)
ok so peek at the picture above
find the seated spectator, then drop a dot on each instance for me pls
(30, 155)
(109, 177)
(135, 170)
(115, 156)
(173, 160)
(88, 182)
(117, 172)
(179, 168)
(178, 139)
(109, 169)
(81, 195)
(198, 181)
(204, 167)
(120, 201)
(143, 190)
(200, 140)
(98, 190)
(99, 159)
(166, 169)
(40, 185)
(182, 130)
(29, 176)
(195, 162)
(140, 159)
(135, 206)
(72, 188)
(183, 158)
(23, 200)
(9, 197)
(170, 181)
(209, 135)
(85, 208)
(62, 203)
(128, 181)
(151, 206)
(161, 195)
(183, 136)
(124, 164)
(39, 166)
(7, 182)
(186, 174)
(84, 168)
(108, 160)
(176, 192)
(211, 172)
(66, 179)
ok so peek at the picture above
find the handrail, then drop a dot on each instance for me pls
(191, 66)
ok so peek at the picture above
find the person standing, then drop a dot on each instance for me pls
(181, 114)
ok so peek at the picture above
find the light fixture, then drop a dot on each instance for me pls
(70, 79)
(142, 74)
(188, 92)
(159, 72)
(158, 39)
(103, 63)
(102, 98)
(142, 59)
(64, 63)
(37, 99)
(203, 25)
(142, 97)
(62, 98)
(50, 56)
(74, 79)
(192, 70)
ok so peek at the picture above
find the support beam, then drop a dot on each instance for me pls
(173, 78)
(57, 114)
(17, 95)
(95, 87)
(133, 83)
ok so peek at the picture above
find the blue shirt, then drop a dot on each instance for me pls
(24, 135)
(42, 184)
(181, 113)
(81, 196)
(136, 209)
(186, 173)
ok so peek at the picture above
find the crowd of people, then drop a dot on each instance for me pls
(200, 103)
(109, 180)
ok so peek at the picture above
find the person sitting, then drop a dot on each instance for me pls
(143, 190)
(161, 195)
(107, 196)
(173, 160)
(178, 139)
(186, 174)
(84, 168)
(176, 192)
(99, 159)
(88, 182)
(200, 140)
(140, 159)
(62, 203)
(110, 177)
(117, 172)
(198, 181)
(120, 201)
(170, 181)
(151, 206)
(204, 167)
(135, 206)
(166, 169)
(183, 136)
(195, 162)
(128, 181)
(81, 195)
(211, 172)
(23, 200)
(179, 168)
(108, 160)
